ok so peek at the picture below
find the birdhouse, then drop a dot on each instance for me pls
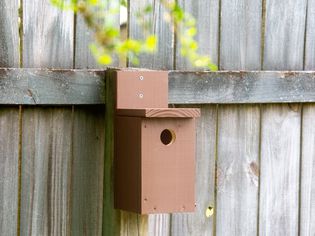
(154, 146)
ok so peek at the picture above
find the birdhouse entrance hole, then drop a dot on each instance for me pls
(167, 137)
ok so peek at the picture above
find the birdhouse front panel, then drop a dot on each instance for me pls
(167, 165)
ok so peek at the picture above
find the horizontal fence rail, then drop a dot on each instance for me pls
(79, 87)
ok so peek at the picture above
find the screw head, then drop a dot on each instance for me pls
(141, 77)
(141, 95)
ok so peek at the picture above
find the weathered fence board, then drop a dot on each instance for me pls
(307, 188)
(91, 175)
(241, 87)
(9, 33)
(280, 164)
(163, 59)
(238, 126)
(9, 170)
(46, 171)
(47, 35)
(238, 170)
(284, 34)
(47, 134)
(87, 170)
(207, 37)
(240, 34)
(9, 125)
(280, 141)
(309, 52)
(44, 87)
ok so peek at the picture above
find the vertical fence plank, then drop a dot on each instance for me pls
(84, 37)
(9, 123)
(307, 188)
(206, 14)
(207, 17)
(280, 151)
(240, 34)
(9, 33)
(238, 170)
(47, 35)
(95, 200)
(280, 142)
(307, 211)
(88, 170)
(284, 34)
(46, 171)
(310, 34)
(9, 170)
(46, 193)
(158, 224)
(197, 223)
(238, 127)
(163, 58)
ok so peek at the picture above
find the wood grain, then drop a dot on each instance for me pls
(240, 34)
(307, 188)
(284, 34)
(46, 171)
(238, 170)
(87, 170)
(9, 34)
(309, 63)
(9, 124)
(281, 124)
(46, 194)
(241, 87)
(84, 37)
(197, 223)
(160, 112)
(280, 164)
(44, 87)
(47, 35)
(9, 170)
(206, 14)
(163, 58)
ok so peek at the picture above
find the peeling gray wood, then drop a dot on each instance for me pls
(46, 171)
(9, 33)
(307, 210)
(9, 170)
(241, 87)
(280, 164)
(48, 35)
(206, 14)
(237, 170)
(42, 87)
(163, 58)
(284, 34)
(197, 223)
(240, 34)
(87, 170)
(310, 34)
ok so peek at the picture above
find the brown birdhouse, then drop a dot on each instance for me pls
(154, 146)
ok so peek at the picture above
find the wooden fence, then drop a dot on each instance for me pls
(255, 138)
